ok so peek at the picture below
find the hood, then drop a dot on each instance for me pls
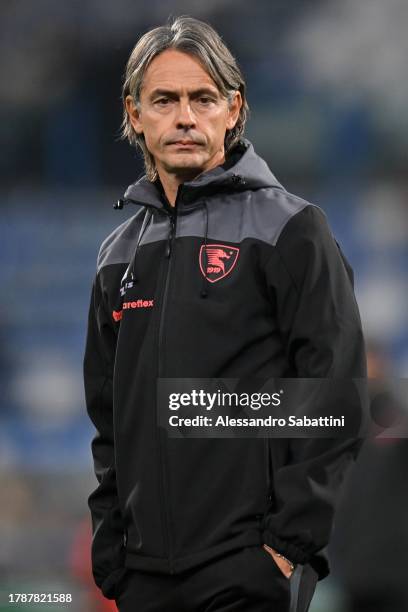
(243, 170)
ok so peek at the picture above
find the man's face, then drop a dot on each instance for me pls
(182, 115)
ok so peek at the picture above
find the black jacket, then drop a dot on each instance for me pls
(277, 301)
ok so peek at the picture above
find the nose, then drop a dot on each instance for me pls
(185, 117)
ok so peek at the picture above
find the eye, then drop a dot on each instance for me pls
(162, 101)
(205, 100)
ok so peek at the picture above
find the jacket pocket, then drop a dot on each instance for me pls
(277, 456)
(205, 511)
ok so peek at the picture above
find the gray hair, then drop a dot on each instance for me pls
(196, 38)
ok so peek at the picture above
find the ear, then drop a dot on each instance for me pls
(233, 110)
(134, 115)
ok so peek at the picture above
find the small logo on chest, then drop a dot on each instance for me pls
(217, 261)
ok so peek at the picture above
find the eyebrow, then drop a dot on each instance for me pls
(171, 94)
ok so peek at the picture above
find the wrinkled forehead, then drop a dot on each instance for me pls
(178, 71)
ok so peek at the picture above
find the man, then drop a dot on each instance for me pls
(220, 273)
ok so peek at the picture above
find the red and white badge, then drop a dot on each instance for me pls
(220, 261)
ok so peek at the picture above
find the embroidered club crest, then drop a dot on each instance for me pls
(217, 261)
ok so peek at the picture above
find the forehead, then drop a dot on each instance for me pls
(172, 69)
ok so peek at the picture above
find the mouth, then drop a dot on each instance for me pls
(184, 143)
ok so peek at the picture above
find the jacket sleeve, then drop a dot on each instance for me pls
(311, 287)
(107, 524)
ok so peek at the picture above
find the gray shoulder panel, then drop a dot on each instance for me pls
(118, 246)
(270, 211)
(260, 214)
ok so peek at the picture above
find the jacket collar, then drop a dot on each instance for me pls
(243, 170)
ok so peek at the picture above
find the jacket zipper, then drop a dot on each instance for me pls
(161, 435)
(164, 485)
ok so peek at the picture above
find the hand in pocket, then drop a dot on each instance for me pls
(285, 567)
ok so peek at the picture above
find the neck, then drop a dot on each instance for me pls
(171, 181)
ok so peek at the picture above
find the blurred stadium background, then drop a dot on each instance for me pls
(328, 90)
